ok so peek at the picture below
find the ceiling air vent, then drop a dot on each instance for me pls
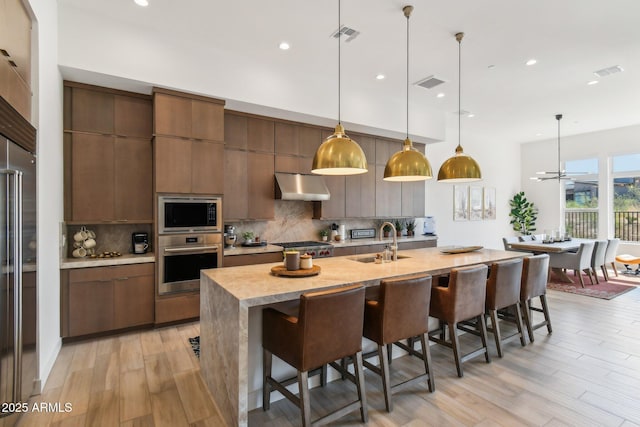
(608, 71)
(430, 82)
(347, 32)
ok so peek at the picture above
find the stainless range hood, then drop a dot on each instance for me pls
(296, 186)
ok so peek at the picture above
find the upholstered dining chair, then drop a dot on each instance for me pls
(507, 241)
(577, 261)
(400, 312)
(535, 272)
(597, 259)
(610, 257)
(328, 327)
(526, 238)
(462, 299)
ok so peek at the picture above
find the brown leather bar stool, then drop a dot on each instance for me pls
(463, 299)
(503, 291)
(400, 312)
(535, 272)
(328, 327)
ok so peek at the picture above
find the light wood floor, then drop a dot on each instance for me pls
(587, 373)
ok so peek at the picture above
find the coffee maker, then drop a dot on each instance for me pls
(140, 242)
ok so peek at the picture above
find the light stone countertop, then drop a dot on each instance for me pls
(254, 285)
(249, 250)
(68, 263)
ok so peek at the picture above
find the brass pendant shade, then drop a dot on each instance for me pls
(339, 155)
(407, 164)
(461, 167)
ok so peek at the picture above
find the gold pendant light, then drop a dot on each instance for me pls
(461, 167)
(408, 164)
(339, 154)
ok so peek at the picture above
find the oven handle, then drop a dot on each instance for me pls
(192, 249)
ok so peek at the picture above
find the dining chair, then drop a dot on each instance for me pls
(577, 261)
(597, 259)
(507, 241)
(610, 257)
(527, 238)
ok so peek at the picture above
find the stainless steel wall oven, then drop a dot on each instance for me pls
(182, 256)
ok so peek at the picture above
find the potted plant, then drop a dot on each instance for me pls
(386, 230)
(399, 226)
(411, 226)
(324, 234)
(248, 236)
(523, 214)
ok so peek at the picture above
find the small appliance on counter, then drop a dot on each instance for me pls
(230, 237)
(429, 226)
(140, 242)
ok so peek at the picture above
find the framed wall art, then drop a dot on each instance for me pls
(460, 203)
(489, 204)
(475, 203)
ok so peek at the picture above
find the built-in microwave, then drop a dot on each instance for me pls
(189, 214)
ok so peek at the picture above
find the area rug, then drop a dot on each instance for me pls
(195, 345)
(604, 290)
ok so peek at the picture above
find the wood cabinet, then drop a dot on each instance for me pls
(413, 194)
(251, 259)
(102, 299)
(15, 69)
(249, 186)
(188, 166)
(344, 251)
(187, 116)
(418, 244)
(177, 308)
(108, 155)
(188, 144)
(360, 190)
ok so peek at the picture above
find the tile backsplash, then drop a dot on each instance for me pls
(110, 237)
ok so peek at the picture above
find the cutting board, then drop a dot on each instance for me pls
(281, 270)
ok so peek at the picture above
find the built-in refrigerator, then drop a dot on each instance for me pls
(18, 358)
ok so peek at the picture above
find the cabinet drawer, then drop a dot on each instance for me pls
(344, 251)
(105, 274)
(172, 309)
(235, 260)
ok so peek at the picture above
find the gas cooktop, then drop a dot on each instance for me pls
(303, 244)
(315, 249)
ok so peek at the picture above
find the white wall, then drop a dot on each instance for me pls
(500, 165)
(47, 101)
(538, 156)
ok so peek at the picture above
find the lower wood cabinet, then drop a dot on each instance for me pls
(250, 259)
(101, 299)
(177, 308)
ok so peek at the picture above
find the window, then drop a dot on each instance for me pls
(581, 198)
(626, 197)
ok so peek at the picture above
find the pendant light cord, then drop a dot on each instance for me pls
(459, 38)
(558, 117)
(339, 56)
(407, 15)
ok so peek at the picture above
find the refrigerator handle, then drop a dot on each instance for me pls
(17, 282)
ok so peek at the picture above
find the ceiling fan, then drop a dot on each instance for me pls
(559, 174)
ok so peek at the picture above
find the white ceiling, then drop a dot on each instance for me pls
(512, 102)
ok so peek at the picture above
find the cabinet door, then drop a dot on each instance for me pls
(260, 135)
(207, 120)
(286, 139)
(290, 164)
(133, 116)
(92, 111)
(172, 165)
(236, 201)
(260, 185)
(360, 198)
(309, 139)
(133, 179)
(92, 171)
(134, 301)
(413, 198)
(334, 208)
(388, 195)
(207, 168)
(235, 131)
(90, 307)
(172, 115)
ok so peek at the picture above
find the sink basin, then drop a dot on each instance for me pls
(368, 259)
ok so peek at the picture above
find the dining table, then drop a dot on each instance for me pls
(555, 247)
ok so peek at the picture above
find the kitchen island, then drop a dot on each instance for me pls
(231, 305)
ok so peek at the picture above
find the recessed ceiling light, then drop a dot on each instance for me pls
(592, 82)
(471, 115)
(532, 61)
(538, 134)
(143, 3)
(284, 46)
(380, 76)
(491, 67)
(440, 95)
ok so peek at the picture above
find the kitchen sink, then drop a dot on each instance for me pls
(368, 259)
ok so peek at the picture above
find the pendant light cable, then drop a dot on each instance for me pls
(407, 14)
(339, 58)
(459, 38)
(558, 118)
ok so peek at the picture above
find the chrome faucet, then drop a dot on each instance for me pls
(394, 248)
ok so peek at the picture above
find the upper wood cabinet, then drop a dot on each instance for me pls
(249, 185)
(187, 116)
(15, 69)
(108, 155)
(360, 191)
(413, 194)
